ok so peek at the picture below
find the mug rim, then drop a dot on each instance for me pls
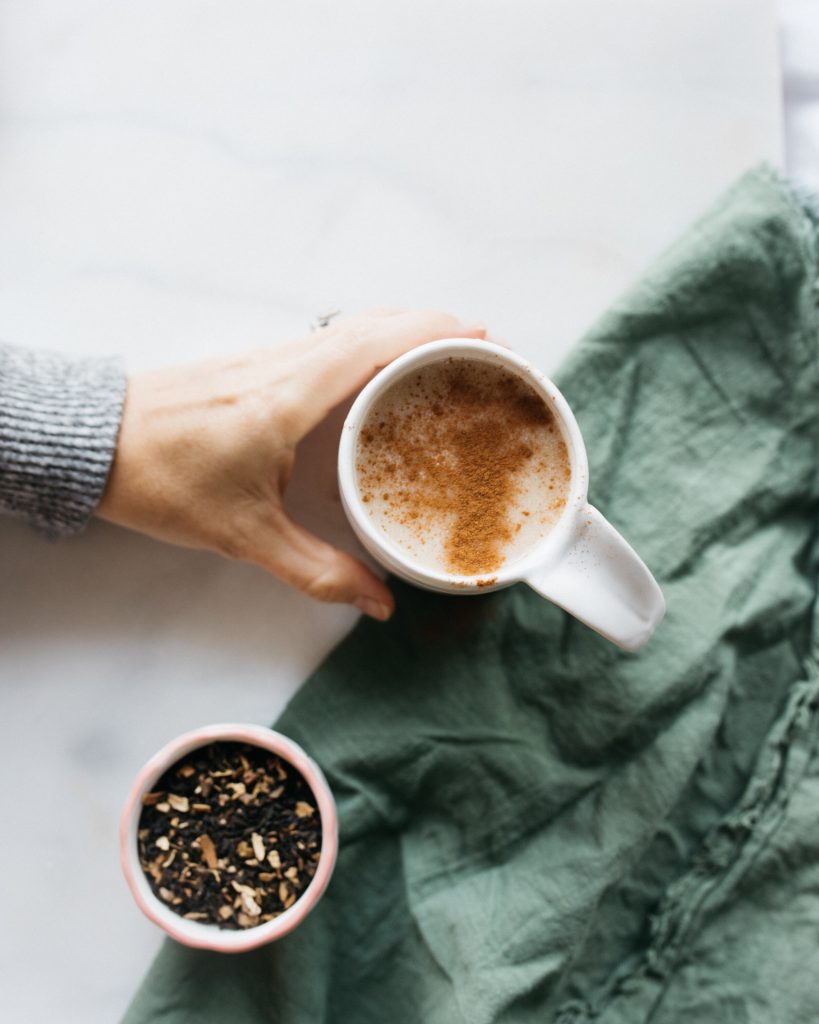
(205, 935)
(547, 551)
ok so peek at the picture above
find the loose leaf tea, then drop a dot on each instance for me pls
(230, 835)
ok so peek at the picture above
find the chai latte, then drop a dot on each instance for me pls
(463, 466)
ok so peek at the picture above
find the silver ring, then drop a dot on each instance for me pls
(323, 320)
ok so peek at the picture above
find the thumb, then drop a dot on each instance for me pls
(309, 564)
(352, 351)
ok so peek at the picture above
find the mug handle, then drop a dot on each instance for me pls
(601, 580)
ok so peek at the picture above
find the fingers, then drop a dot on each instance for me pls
(321, 571)
(351, 351)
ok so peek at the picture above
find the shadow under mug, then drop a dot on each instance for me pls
(582, 564)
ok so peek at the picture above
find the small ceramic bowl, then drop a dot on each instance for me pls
(209, 936)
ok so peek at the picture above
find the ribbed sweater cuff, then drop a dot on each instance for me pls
(59, 419)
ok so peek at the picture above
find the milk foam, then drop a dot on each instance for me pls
(407, 460)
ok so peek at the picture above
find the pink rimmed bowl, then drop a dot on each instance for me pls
(209, 936)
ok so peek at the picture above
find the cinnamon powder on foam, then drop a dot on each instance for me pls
(453, 455)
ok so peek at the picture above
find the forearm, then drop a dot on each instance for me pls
(59, 419)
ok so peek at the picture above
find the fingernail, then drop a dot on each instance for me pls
(375, 609)
(475, 328)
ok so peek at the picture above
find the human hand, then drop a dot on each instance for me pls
(205, 451)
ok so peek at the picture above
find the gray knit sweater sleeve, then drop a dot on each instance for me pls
(59, 419)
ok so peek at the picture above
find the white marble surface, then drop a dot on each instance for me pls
(184, 177)
(799, 30)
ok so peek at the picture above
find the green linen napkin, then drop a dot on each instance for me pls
(536, 826)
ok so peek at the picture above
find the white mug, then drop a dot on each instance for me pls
(582, 564)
